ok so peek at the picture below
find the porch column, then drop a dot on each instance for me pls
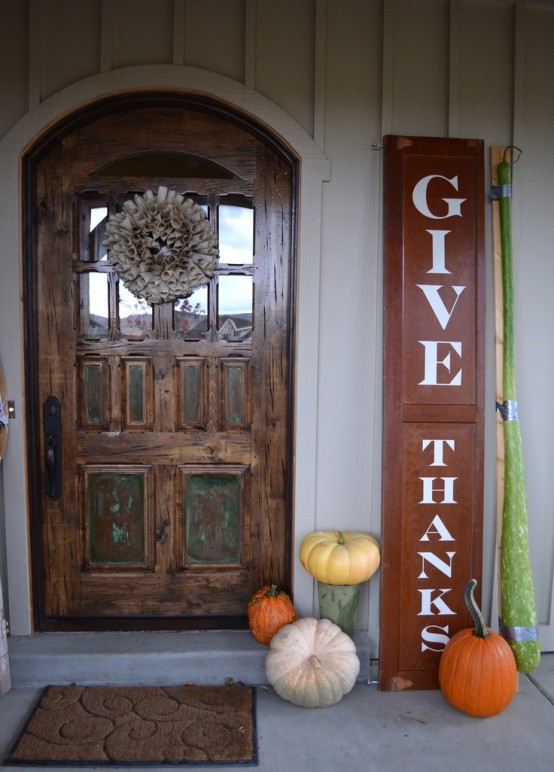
(5, 678)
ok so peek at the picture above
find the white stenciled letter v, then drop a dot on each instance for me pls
(432, 293)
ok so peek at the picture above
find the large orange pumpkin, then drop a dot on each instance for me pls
(269, 609)
(477, 669)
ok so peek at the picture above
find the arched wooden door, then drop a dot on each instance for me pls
(161, 432)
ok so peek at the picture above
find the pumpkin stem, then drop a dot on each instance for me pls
(478, 620)
(272, 592)
(341, 538)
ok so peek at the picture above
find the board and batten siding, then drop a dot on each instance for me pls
(347, 72)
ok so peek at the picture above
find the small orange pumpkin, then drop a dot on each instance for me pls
(477, 669)
(269, 609)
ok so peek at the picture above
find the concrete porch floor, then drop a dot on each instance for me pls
(368, 730)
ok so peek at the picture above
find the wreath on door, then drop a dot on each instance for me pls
(161, 245)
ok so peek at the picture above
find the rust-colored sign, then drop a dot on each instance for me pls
(433, 400)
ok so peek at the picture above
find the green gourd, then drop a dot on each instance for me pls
(517, 599)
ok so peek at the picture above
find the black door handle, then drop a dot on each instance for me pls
(52, 421)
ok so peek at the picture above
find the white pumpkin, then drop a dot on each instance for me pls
(312, 663)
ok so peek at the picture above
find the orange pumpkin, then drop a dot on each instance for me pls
(477, 669)
(269, 609)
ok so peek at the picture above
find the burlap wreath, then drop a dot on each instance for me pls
(161, 246)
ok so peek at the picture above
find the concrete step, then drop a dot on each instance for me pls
(144, 658)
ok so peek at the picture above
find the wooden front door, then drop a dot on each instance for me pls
(162, 431)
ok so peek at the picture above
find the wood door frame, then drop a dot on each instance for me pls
(315, 169)
(40, 147)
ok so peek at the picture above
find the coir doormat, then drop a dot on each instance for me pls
(143, 725)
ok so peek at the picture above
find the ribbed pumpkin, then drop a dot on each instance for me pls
(312, 663)
(477, 669)
(268, 610)
(340, 557)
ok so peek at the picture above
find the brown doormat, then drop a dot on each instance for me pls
(140, 725)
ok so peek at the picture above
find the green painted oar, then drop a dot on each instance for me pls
(517, 598)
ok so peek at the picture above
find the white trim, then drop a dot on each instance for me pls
(314, 169)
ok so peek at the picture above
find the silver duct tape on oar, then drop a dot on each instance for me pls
(516, 633)
(508, 410)
(500, 191)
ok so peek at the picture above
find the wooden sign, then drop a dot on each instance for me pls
(433, 400)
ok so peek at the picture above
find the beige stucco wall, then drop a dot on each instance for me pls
(333, 76)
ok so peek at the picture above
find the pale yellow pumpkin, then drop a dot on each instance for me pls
(312, 663)
(340, 557)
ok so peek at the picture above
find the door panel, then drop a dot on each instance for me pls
(175, 453)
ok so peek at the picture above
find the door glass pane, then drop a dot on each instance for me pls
(236, 234)
(135, 315)
(199, 199)
(93, 231)
(234, 307)
(94, 304)
(191, 314)
(97, 214)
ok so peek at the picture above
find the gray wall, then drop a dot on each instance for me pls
(350, 71)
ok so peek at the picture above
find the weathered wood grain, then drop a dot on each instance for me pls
(242, 428)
